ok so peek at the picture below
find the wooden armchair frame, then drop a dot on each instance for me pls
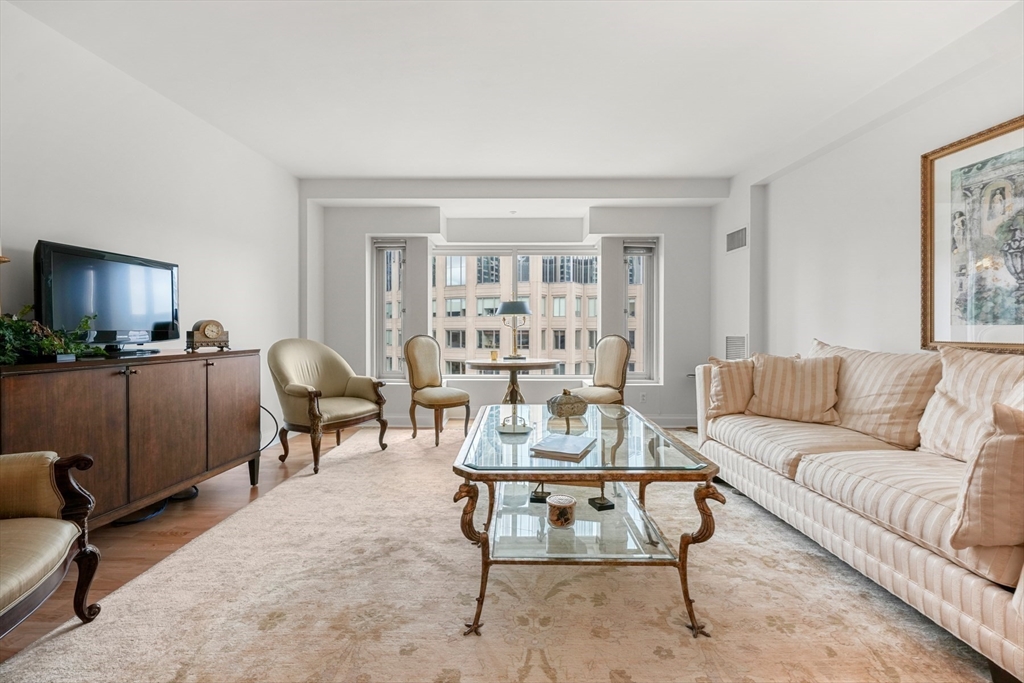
(78, 504)
(317, 426)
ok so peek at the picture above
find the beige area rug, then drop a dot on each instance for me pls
(361, 574)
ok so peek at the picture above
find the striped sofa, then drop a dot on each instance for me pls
(878, 484)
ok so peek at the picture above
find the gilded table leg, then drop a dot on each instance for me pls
(513, 394)
(706, 530)
(490, 505)
(470, 492)
(485, 569)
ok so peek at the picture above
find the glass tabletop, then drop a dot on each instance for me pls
(624, 440)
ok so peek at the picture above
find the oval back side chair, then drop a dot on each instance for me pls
(611, 361)
(423, 360)
(320, 392)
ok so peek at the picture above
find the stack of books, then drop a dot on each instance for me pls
(563, 447)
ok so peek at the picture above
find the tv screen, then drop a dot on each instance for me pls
(135, 300)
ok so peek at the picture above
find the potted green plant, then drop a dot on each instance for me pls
(29, 341)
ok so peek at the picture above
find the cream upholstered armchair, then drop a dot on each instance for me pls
(319, 392)
(43, 529)
(611, 360)
(423, 360)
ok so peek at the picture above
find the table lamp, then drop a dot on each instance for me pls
(515, 310)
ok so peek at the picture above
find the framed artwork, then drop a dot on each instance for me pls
(972, 242)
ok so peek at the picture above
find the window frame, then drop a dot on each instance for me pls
(647, 311)
(388, 300)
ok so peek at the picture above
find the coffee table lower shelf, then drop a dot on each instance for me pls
(519, 534)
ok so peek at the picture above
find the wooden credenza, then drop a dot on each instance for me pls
(155, 425)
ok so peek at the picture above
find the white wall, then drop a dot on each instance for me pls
(835, 229)
(93, 158)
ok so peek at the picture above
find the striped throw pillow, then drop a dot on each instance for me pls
(799, 389)
(990, 505)
(732, 385)
(883, 394)
(958, 418)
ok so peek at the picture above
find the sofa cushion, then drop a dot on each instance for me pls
(598, 395)
(801, 389)
(912, 494)
(883, 394)
(33, 548)
(990, 504)
(732, 386)
(958, 418)
(779, 444)
(339, 408)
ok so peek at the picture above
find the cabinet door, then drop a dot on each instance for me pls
(69, 412)
(233, 408)
(166, 425)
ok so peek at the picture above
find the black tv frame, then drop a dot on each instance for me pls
(115, 339)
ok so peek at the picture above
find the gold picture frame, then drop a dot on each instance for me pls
(972, 242)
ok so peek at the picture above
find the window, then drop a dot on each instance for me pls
(488, 269)
(640, 321)
(560, 369)
(590, 368)
(592, 339)
(523, 339)
(388, 264)
(579, 337)
(433, 308)
(584, 270)
(487, 305)
(543, 340)
(577, 369)
(523, 269)
(455, 339)
(488, 339)
(579, 306)
(544, 306)
(592, 306)
(455, 368)
(455, 271)
(549, 269)
(558, 307)
(558, 339)
(454, 308)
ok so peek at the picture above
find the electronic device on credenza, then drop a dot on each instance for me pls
(134, 299)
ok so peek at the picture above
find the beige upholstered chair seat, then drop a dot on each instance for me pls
(33, 548)
(598, 394)
(437, 396)
(346, 408)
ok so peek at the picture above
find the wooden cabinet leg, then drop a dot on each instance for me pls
(254, 471)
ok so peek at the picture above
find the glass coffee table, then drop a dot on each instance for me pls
(612, 528)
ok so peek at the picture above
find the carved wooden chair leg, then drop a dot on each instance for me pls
(438, 413)
(315, 434)
(283, 437)
(465, 429)
(383, 428)
(412, 416)
(87, 560)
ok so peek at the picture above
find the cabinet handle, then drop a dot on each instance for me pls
(133, 372)
(123, 372)
(211, 364)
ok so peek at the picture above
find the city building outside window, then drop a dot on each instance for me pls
(523, 269)
(641, 299)
(455, 271)
(560, 369)
(523, 340)
(389, 261)
(433, 308)
(632, 339)
(558, 307)
(631, 307)
(579, 343)
(387, 309)
(487, 305)
(488, 339)
(454, 308)
(387, 337)
(455, 367)
(543, 340)
(558, 340)
(576, 371)
(592, 339)
(488, 269)
(592, 306)
(579, 306)
(455, 339)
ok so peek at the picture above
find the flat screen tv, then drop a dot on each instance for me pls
(134, 299)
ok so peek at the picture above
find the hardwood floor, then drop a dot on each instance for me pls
(130, 550)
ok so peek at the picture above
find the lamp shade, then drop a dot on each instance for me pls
(514, 308)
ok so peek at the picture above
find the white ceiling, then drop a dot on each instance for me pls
(513, 89)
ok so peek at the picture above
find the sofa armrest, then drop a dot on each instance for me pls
(28, 486)
(703, 401)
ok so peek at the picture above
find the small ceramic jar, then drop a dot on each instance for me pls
(561, 510)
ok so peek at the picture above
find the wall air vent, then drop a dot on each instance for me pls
(736, 240)
(735, 347)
